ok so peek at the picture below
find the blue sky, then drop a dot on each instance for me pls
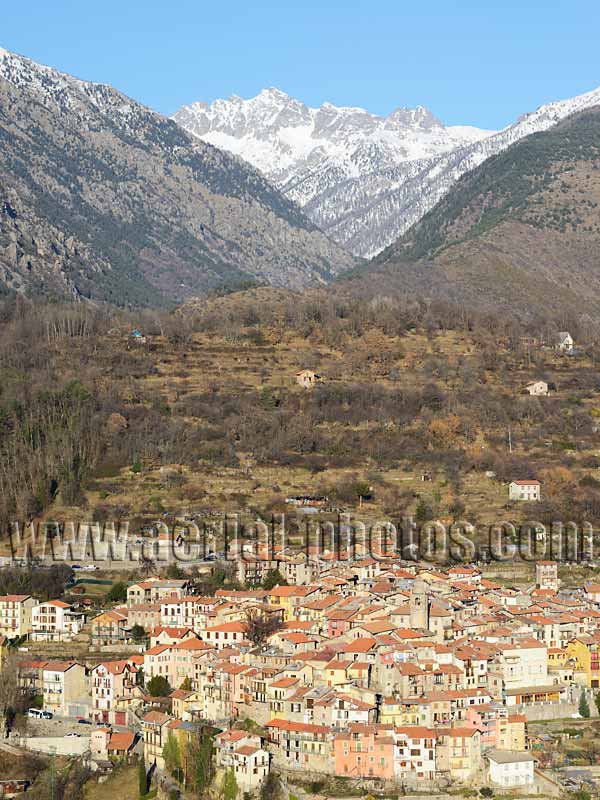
(474, 62)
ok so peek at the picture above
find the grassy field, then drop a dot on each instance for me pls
(122, 783)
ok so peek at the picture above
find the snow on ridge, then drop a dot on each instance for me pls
(364, 179)
(361, 177)
(281, 135)
(56, 88)
(464, 133)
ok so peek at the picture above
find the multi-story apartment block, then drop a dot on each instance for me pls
(15, 614)
(114, 687)
(63, 683)
(55, 621)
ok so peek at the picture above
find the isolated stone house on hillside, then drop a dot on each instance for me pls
(529, 490)
(307, 379)
(564, 341)
(538, 389)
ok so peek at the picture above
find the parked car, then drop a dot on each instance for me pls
(84, 721)
(68, 735)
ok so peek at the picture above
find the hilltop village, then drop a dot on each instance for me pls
(299, 404)
(379, 673)
(303, 672)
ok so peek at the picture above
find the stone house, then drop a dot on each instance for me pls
(537, 389)
(307, 379)
(110, 627)
(564, 342)
(528, 490)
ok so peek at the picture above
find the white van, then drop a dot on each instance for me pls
(37, 713)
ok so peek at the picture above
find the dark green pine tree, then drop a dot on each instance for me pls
(584, 706)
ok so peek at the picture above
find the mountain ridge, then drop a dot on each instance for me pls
(110, 200)
(520, 232)
(361, 182)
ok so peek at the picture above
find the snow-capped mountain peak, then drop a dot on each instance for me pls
(361, 177)
(303, 149)
(273, 93)
(419, 117)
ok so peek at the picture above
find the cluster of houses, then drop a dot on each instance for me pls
(376, 670)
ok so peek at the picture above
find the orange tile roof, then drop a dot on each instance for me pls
(284, 683)
(300, 727)
(13, 598)
(228, 627)
(192, 644)
(360, 645)
(156, 717)
(121, 740)
(247, 750)
(291, 591)
(59, 666)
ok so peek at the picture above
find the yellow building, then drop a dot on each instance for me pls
(460, 753)
(394, 711)
(182, 703)
(512, 732)
(289, 598)
(335, 672)
(557, 657)
(586, 652)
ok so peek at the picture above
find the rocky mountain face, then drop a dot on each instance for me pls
(361, 178)
(102, 198)
(521, 232)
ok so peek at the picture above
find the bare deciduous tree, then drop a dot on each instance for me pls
(260, 625)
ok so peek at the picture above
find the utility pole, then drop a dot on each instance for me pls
(509, 441)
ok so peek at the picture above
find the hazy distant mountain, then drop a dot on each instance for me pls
(361, 178)
(101, 197)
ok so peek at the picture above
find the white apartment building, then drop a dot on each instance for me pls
(523, 663)
(186, 612)
(55, 621)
